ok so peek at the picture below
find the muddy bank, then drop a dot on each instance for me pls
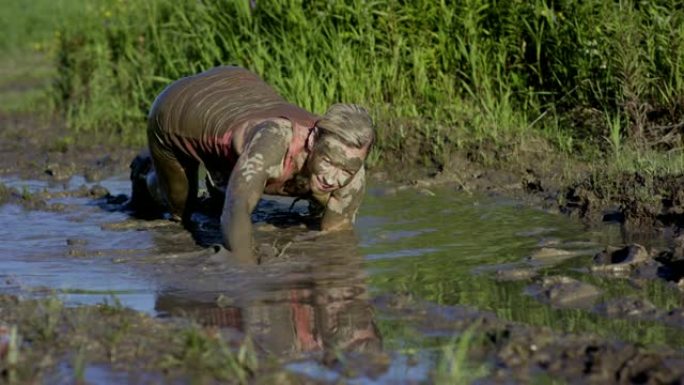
(39, 147)
(523, 353)
(642, 203)
(43, 340)
(533, 171)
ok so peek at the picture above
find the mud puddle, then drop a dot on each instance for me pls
(66, 251)
(423, 266)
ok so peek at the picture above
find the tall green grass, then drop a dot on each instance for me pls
(31, 25)
(27, 35)
(435, 74)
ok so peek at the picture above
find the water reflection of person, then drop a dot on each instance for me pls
(322, 309)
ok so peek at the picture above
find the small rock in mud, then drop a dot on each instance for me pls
(33, 203)
(671, 267)
(548, 255)
(223, 301)
(531, 182)
(95, 174)
(561, 291)
(519, 274)
(618, 269)
(547, 242)
(620, 261)
(674, 317)
(426, 192)
(628, 307)
(81, 252)
(98, 191)
(423, 183)
(57, 207)
(77, 252)
(60, 172)
(397, 301)
(678, 247)
(631, 254)
(76, 242)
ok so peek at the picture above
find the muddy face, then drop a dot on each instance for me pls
(332, 164)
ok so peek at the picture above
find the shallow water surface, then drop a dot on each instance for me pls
(69, 253)
(451, 248)
(442, 249)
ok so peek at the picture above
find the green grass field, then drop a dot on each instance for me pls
(597, 80)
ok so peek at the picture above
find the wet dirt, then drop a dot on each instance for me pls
(539, 295)
(361, 306)
(640, 202)
(41, 148)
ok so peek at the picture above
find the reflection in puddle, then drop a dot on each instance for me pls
(293, 321)
(320, 304)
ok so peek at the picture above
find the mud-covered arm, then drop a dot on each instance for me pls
(340, 210)
(261, 160)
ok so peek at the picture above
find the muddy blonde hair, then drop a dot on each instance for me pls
(349, 122)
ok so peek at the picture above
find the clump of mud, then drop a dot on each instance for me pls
(639, 201)
(523, 353)
(561, 291)
(636, 262)
(43, 341)
(39, 200)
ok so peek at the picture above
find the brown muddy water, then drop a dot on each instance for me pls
(422, 266)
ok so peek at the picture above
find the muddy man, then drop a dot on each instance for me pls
(252, 141)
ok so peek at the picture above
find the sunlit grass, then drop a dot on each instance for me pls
(651, 162)
(31, 25)
(427, 70)
(25, 84)
(436, 77)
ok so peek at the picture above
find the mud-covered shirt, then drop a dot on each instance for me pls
(209, 117)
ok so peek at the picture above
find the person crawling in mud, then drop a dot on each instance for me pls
(251, 141)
